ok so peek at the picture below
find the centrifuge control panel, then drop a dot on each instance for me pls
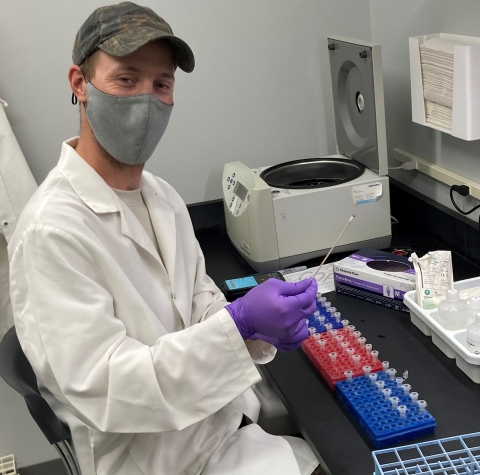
(237, 188)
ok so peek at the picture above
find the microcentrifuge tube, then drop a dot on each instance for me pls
(387, 393)
(327, 306)
(392, 372)
(399, 382)
(373, 378)
(338, 316)
(351, 328)
(321, 319)
(319, 296)
(361, 341)
(345, 323)
(332, 310)
(414, 397)
(406, 389)
(328, 326)
(349, 375)
(333, 357)
(322, 301)
(368, 348)
(339, 339)
(403, 411)
(394, 400)
(422, 405)
(350, 352)
(357, 334)
(344, 345)
(385, 365)
(333, 332)
(312, 330)
(367, 370)
(316, 336)
(356, 359)
(321, 344)
(374, 354)
(316, 314)
(380, 385)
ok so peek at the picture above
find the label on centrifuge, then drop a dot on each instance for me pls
(366, 193)
(473, 346)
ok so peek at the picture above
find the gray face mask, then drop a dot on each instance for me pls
(127, 127)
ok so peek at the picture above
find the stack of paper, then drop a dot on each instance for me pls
(437, 73)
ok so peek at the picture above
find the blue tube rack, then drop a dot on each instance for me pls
(378, 419)
(314, 323)
(458, 455)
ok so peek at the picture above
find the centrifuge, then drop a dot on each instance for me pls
(280, 215)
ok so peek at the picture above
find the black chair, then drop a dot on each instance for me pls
(18, 373)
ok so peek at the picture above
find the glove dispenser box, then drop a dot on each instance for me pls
(431, 80)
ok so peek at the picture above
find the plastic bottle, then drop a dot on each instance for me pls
(453, 312)
(473, 336)
(473, 309)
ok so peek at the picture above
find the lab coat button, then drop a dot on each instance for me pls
(174, 296)
(5, 224)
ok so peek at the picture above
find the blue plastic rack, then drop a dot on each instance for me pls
(313, 322)
(458, 455)
(381, 423)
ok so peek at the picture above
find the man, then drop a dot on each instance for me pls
(128, 336)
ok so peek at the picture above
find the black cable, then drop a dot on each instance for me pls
(463, 190)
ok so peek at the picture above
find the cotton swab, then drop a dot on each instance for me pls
(334, 244)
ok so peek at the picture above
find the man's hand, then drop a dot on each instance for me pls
(275, 310)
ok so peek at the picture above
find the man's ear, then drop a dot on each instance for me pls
(77, 83)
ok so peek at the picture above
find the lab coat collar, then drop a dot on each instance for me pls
(86, 182)
(97, 195)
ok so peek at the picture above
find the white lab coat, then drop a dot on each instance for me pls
(17, 185)
(95, 311)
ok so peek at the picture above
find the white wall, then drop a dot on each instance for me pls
(260, 93)
(392, 23)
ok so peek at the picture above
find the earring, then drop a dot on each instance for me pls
(74, 99)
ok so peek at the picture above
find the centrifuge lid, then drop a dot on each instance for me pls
(357, 89)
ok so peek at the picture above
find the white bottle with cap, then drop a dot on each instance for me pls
(453, 312)
(473, 336)
(473, 309)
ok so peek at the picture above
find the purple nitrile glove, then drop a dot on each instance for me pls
(286, 345)
(274, 308)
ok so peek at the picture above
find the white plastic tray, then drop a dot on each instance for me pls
(452, 343)
(7, 465)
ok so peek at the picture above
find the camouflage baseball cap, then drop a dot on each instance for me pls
(123, 28)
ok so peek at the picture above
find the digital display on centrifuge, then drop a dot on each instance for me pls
(240, 191)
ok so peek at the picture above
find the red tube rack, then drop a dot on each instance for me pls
(334, 372)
